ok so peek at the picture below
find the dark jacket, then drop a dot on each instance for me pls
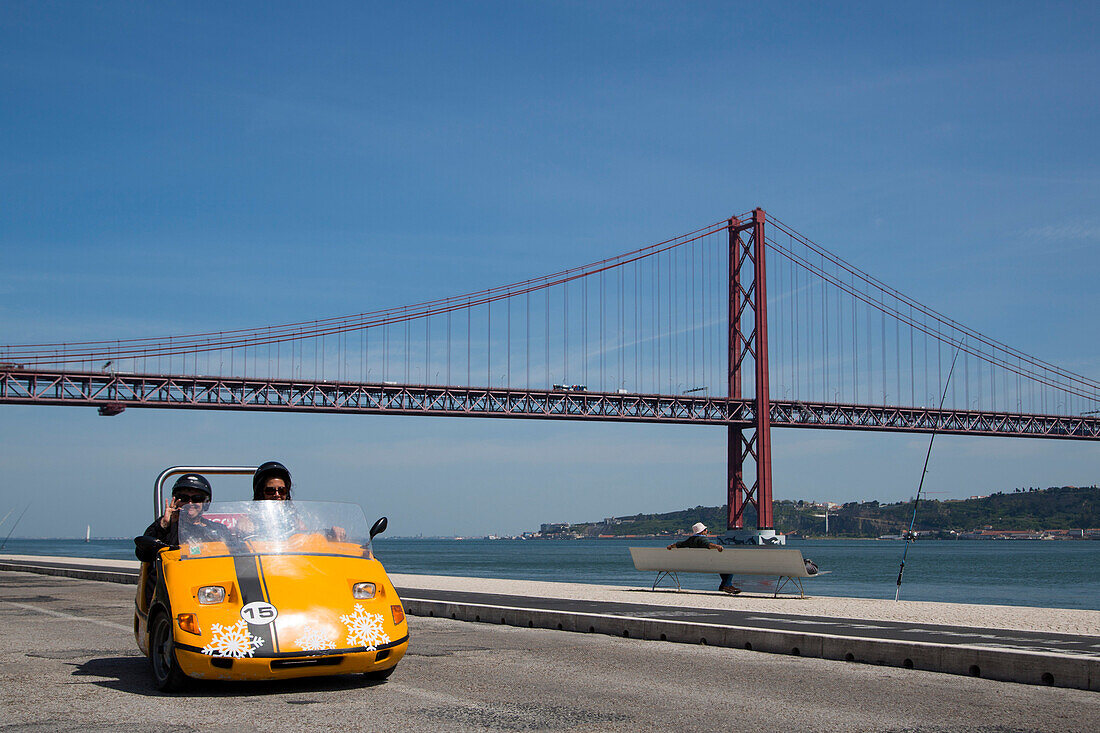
(696, 541)
(211, 531)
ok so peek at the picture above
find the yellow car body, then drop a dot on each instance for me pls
(284, 609)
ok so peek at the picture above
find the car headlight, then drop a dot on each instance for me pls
(211, 594)
(363, 590)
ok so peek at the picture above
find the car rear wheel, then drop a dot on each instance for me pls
(167, 675)
(379, 676)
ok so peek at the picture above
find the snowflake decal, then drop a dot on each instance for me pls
(232, 641)
(314, 639)
(364, 628)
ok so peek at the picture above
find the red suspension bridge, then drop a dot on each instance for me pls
(744, 323)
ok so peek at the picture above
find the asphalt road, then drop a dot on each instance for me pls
(68, 662)
(1032, 641)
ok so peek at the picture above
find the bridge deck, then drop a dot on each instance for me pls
(113, 392)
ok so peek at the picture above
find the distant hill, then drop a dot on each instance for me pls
(1063, 507)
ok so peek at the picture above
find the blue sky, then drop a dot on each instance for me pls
(186, 167)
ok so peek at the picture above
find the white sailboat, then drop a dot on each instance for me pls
(88, 534)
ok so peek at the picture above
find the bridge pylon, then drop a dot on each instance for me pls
(748, 292)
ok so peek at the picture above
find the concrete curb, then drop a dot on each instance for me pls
(104, 576)
(1007, 665)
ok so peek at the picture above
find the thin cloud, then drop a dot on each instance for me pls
(1062, 232)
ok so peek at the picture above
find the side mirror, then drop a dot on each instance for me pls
(146, 548)
(379, 527)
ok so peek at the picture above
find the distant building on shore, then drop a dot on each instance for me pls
(554, 528)
(988, 533)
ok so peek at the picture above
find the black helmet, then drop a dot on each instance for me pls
(271, 469)
(195, 482)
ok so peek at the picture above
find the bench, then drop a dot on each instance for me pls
(786, 565)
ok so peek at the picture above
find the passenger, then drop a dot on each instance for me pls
(699, 541)
(193, 492)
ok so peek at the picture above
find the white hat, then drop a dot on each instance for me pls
(698, 528)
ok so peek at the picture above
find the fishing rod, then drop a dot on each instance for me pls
(5, 542)
(924, 472)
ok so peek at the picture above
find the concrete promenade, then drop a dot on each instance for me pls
(1039, 646)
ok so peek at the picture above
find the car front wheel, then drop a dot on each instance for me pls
(167, 675)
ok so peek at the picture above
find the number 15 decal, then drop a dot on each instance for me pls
(259, 612)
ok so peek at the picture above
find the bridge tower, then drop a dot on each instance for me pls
(748, 292)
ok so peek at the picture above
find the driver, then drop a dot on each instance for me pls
(192, 491)
(272, 482)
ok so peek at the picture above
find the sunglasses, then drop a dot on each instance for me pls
(190, 498)
(276, 491)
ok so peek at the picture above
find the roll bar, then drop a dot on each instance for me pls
(158, 485)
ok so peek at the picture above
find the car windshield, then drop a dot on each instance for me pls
(273, 528)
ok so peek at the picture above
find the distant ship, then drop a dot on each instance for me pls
(88, 534)
(905, 535)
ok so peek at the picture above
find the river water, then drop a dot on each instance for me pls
(1060, 574)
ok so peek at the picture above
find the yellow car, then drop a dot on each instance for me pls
(266, 590)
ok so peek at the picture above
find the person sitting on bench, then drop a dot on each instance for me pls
(699, 541)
